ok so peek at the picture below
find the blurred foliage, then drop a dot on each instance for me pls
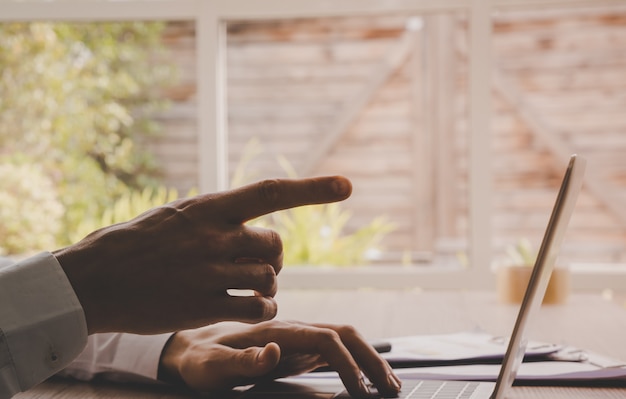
(76, 101)
(314, 235)
(30, 210)
(521, 254)
(128, 206)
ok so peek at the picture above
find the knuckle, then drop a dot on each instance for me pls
(346, 330)
(329, 337)
(269, 190)
(268, 275)
(272, 324)
(279, 264)
(261, 310)
(276, 242)
(275, 250)
(247, 356)
(239, 236)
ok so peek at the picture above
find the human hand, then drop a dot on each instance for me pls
(221, 357)
(170, 268)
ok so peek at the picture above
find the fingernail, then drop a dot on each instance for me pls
(261, 356)
(394, 381)
(341, 186)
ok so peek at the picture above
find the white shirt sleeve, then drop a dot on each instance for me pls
(42, 324)
(119, 357)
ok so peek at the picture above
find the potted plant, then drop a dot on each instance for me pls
(513, 275)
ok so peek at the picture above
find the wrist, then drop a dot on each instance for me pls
(76, 275)
(169, 362)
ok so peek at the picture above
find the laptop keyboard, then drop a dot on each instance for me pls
(438, 390)
(426, 389)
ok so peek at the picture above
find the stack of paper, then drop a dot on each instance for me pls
(459, 348)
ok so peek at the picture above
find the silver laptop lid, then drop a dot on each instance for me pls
(548, 252)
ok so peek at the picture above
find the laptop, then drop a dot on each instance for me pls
(434, 389)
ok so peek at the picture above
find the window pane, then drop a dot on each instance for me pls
(380, 100)
(559, 89)
(176, 147)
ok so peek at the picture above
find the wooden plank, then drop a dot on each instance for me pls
(567, 80)
(302, 92)
(288, 110)
(398, 162)
(316, 29)
(270, 53)
(561, 60)
(549, 15)
(598, 119)
(320, 70)
(602, 97)
(569, 36)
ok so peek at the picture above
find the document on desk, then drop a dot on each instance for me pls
(457, 348)
(476, 356)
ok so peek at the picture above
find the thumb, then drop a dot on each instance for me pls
(223, 367)
(256, 362)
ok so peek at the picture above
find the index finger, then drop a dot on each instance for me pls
(257, 199)
(373, 365)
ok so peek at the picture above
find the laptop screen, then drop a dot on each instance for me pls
(548, 252)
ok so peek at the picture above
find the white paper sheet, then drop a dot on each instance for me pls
(463, 347)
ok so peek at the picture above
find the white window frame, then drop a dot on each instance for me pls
(211, 17)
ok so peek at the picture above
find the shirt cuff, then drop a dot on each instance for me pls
(41, 320)
(139, 354)
(119, 357)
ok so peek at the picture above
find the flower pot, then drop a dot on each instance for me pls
(511, 283)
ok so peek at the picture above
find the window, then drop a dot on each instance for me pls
(485, 176)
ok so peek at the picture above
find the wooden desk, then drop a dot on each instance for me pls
(587, 321)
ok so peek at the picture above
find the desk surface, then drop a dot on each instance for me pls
(586, 321)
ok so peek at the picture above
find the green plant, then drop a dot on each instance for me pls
(30, 210)
(522, 253)
(317, 234)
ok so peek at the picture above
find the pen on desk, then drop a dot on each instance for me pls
(382, 346)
